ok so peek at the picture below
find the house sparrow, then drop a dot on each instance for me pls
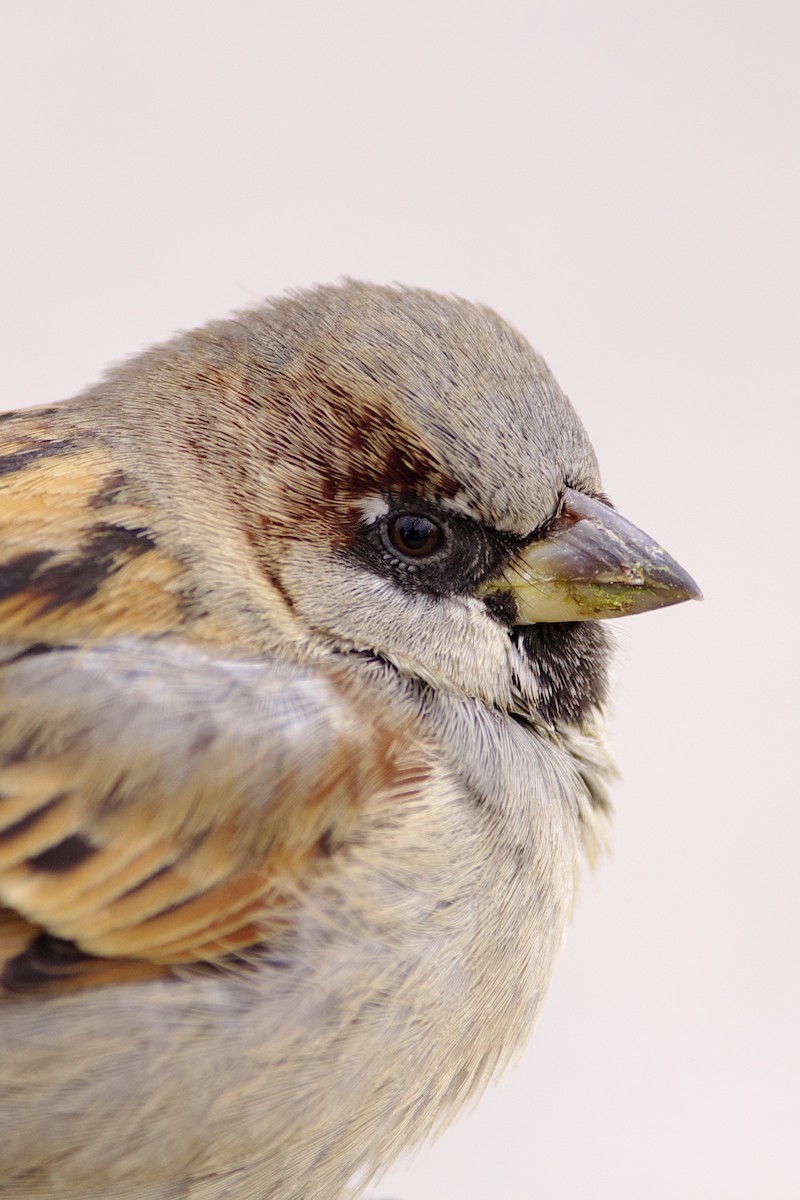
(301, 694)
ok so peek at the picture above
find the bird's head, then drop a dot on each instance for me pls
(408, 477)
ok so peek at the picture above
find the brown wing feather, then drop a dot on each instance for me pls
(115, 842)
(78, 560)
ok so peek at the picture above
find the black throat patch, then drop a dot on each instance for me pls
(570, 663)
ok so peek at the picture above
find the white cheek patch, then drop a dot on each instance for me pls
(373, 508)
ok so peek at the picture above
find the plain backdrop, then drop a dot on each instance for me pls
(620, 180)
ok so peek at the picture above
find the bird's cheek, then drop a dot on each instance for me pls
(452, 643)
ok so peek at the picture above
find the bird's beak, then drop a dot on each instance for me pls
(589, 564)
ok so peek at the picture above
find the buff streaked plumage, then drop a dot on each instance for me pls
(294, 782)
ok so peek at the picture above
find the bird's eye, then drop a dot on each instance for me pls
(414, 536)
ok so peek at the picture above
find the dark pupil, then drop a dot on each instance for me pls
(415, 535)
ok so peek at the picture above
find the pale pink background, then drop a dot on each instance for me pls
(620, 179)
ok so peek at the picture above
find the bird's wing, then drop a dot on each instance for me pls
(78, 559)
(160, 805)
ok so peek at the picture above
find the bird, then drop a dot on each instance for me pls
(303, 672)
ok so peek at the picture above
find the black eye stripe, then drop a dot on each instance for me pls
(427, 550)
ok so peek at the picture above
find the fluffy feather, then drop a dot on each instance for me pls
(290, 816)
